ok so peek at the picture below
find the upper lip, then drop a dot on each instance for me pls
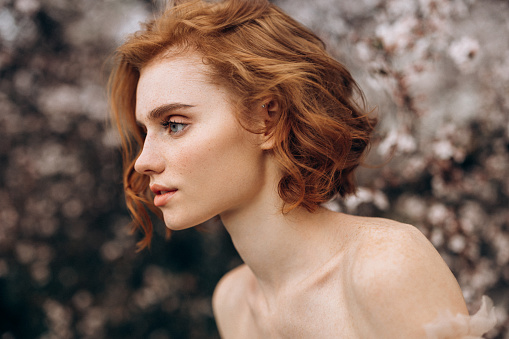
(157, 189)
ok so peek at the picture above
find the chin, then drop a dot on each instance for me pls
(175, 226)
(174, 223)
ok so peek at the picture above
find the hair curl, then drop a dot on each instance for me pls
(257, 52)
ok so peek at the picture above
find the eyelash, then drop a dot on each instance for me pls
(167, 125)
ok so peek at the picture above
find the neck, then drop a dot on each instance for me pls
(281, 249)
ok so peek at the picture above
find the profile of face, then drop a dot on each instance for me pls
(201, 162)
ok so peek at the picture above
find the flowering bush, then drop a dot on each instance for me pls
(437, 70)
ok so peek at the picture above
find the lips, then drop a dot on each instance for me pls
(162, 194)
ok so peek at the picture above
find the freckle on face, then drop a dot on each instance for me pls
(215, 164)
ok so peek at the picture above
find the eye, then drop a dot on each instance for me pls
(174, 127)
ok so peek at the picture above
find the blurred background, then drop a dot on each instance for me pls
(436, 70)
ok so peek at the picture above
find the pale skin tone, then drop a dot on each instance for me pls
(306, 275)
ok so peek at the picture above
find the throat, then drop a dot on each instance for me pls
(284, 249)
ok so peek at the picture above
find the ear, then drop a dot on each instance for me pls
(269, 113)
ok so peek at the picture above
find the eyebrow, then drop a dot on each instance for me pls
(157, 112)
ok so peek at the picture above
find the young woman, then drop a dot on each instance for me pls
(234, 109)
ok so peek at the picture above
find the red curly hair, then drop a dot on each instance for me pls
(255, 51)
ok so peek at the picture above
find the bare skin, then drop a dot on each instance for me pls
(306, 275)
(384, 281)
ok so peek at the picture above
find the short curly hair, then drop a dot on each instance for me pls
(255, 51)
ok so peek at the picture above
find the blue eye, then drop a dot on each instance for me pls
(173, 126)
(176, 127)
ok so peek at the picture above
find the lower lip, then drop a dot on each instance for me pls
(162, 199)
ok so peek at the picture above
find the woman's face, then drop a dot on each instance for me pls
(200, 161)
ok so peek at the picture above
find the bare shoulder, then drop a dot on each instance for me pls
(227, 299)
(396, 274)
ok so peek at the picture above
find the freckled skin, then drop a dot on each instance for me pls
(385, 281)
(214, 163)
(306, 275)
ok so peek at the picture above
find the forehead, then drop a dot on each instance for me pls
(188, 63)
(171, 78)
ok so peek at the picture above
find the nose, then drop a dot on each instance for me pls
(150, 160)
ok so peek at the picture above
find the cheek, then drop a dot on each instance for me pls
(184, 161)
(220, 161)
